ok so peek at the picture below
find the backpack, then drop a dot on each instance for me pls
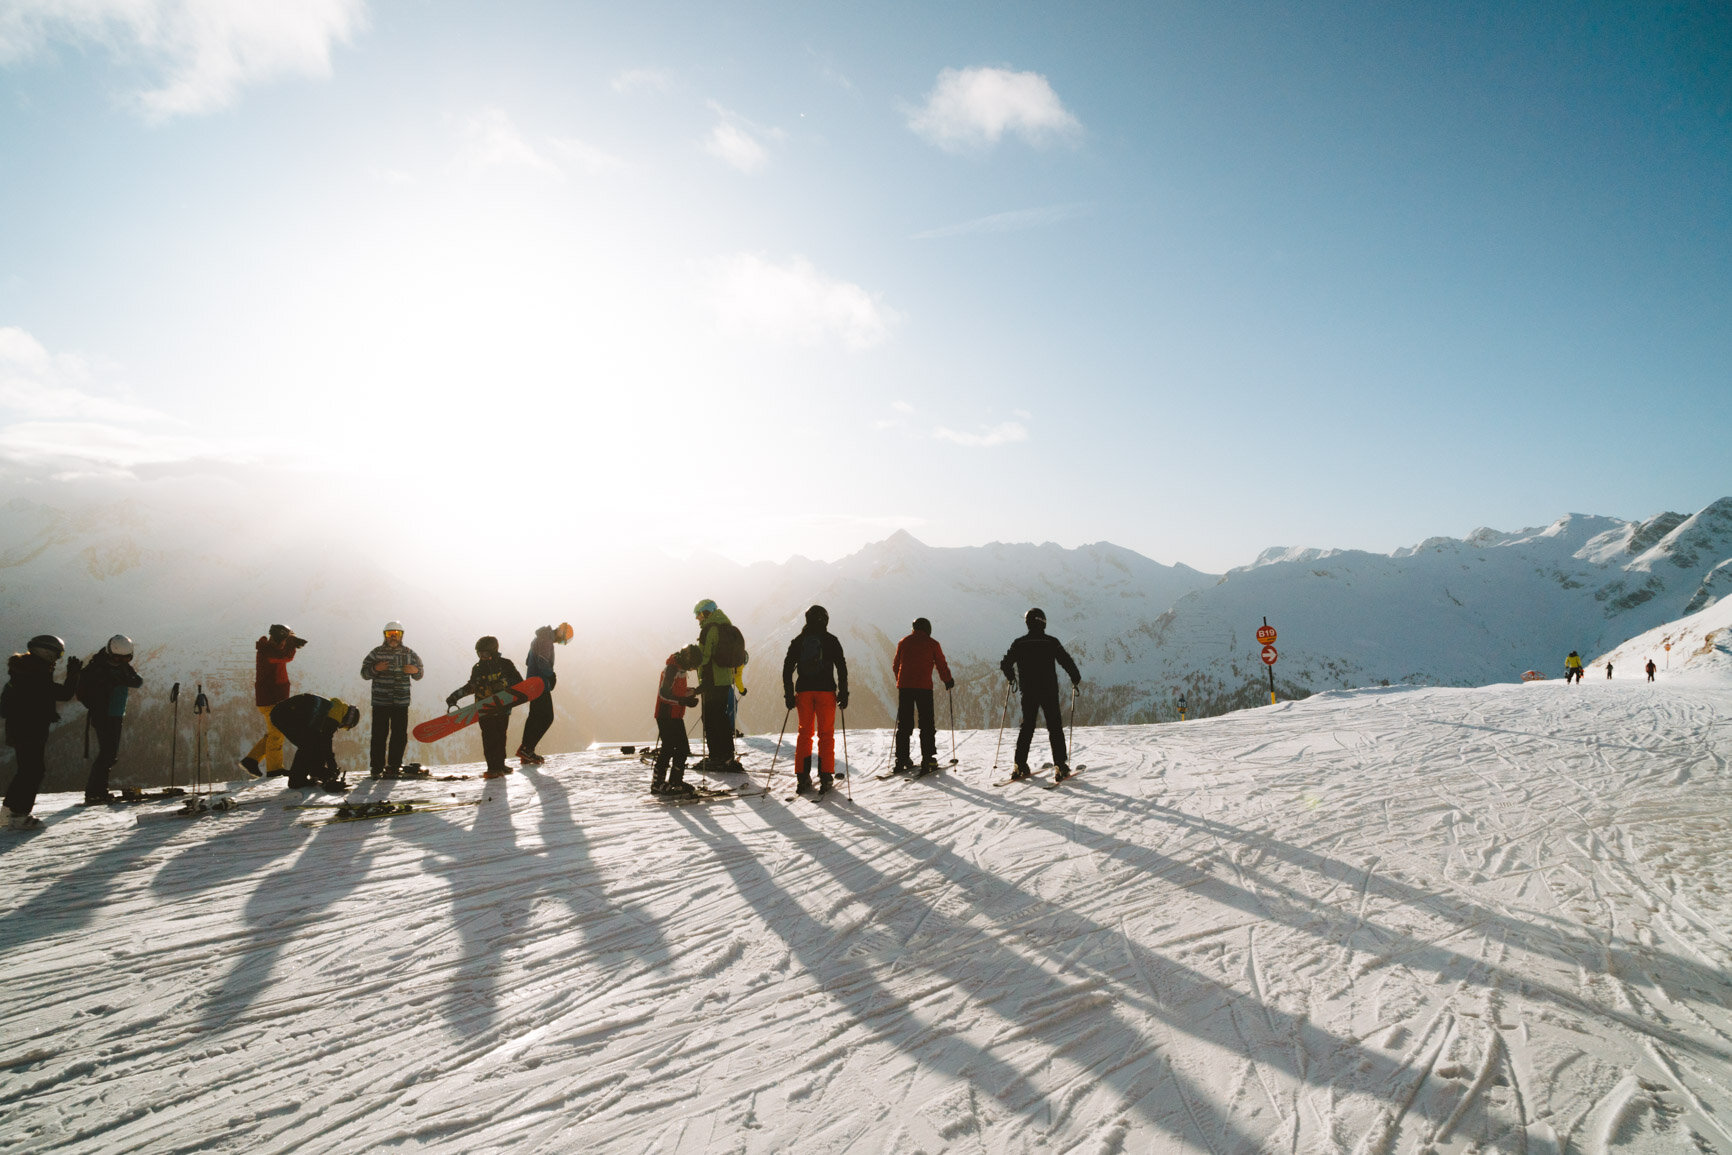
(91, 691)
(730, 648)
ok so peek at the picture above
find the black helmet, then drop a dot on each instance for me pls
(818, 616)
(1035, 617)
(487, 645)
(47, 647)
(922, 626)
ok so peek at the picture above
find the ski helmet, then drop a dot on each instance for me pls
(393, 626)
(47, 647)
(279, 632)
(344, 715)
(818, 616)
(487, 645)
(922, 626)
(704, 607)
(120, 646)
(1035, 617)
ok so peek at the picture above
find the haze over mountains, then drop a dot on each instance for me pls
(194, 592)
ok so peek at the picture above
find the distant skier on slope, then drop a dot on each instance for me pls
(1573, 667)
(815, 680)
(490, 674)
(29, 706)
(721, 653)
(1651, 668)
(539, 664)
(311, 722)
(916, 657)
(103, 687)
(1033, 661)
(273, 653)
(1608, 671)
(673, 747)
(390, 666)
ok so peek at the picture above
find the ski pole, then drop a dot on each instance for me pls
(1002, 714)
(1072, 742)
(848, 782)
(779, 736)
(951, 698)
(174, 729)
(200, 707)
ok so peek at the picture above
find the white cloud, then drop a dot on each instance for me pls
(206, 51)
(797, 304)
(69, 427)
(643, 80)
(738, 142)
(1003, 434)
(491, 139)
(974, 107)
(1010, 222)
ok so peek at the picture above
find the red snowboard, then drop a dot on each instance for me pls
(436, 728)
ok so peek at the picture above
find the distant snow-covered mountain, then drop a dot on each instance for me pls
(195, 591)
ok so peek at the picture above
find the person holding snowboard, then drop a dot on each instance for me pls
(539, 664)
(1573, 667)
(490, 675)
(721, 653)
(815, 681)
(916, 657)
(311, 723)
(673, 747)
(103, 687)
(1032, 661)
(390, 666)
(29, 705)
(274, 652)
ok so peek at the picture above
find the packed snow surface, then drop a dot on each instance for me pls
(1403, 920)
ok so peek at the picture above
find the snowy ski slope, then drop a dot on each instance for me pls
(1403, 920)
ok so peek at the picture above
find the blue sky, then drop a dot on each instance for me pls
(780, 278)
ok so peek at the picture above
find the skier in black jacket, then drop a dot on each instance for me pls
(103, 687)
(815, 656)
(311, 722)
(1032, 660)
(29, 705)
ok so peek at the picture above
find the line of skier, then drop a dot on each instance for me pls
(814, 683)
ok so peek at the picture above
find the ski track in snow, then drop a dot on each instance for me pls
(1382, 921)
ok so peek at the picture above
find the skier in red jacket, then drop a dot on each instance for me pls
(672, 698)
(916, 657)
(270, 686)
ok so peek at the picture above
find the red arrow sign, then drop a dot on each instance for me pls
(1269, 655)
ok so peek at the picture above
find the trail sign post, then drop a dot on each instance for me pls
(1266, 635)
(1181, 707)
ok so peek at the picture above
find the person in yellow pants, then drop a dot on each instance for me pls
(270, 686)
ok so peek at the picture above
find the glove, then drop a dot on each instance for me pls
(1075, 684)
(789, 699)
(950, 685)
(451, 700)
(690, 700)
(74, 665)
(298, 642)
(842, 700)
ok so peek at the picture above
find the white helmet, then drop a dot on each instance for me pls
(120, 646)
(393, 626)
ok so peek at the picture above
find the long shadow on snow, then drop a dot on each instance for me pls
(1135, 1072)
(1303, 912)
(1303, 1051)
(241, 847)
(82, 890)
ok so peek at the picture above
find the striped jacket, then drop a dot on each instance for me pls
(391, 686)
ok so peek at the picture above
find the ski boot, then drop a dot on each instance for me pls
(23, 822)
(1059, 773)
(331, 786)
(492, 773)
(826, 783)
(734, 767)
(903, 766)
(102, 799)
(929, 765)
(251, 766)
(529, 757)
(679, 790)
(1022, 773)
(658, 781)
(803, 778)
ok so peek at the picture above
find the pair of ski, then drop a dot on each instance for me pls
(359, 811)
(704, 794)
(1041, 782)
(816, 796)
(912, 774)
